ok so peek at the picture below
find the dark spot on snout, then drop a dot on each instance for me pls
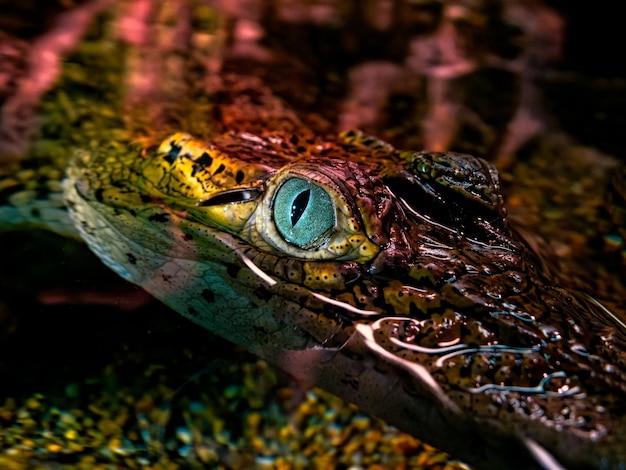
(205, 160)
(352, 382)
(208, 295)
(262, 294)
(174, 152)
(232, 270)
(160, 218)
(239, 176)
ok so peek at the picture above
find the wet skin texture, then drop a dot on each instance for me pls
(391, 278)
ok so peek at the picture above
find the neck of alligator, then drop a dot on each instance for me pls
(389, 278)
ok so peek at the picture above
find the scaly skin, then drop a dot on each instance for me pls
(404, 290)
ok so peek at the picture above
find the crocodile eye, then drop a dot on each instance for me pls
(304, 213)
(307, 212)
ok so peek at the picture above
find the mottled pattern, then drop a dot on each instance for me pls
(421, 288)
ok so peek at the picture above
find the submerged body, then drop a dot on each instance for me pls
(389, 278)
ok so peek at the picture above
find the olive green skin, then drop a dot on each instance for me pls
(421, 305)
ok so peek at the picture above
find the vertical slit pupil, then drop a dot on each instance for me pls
(299, 205)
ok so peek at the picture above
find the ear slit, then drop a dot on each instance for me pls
(231, 196)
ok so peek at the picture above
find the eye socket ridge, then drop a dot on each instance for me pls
(304, 213)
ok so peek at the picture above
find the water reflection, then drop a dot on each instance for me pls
(363, 53)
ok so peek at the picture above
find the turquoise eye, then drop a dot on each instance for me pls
(303, 212)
